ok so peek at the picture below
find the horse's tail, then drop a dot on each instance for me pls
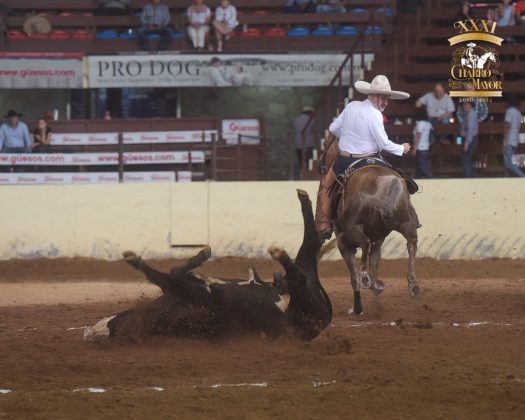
(390, 189)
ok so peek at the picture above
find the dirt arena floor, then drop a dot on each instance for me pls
(456, 352)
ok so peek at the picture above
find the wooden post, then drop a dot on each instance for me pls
(120, 157)
(239, 157)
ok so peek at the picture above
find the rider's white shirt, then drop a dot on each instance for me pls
(361, 130)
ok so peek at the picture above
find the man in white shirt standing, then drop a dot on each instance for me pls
(225, 22)
(361, 133)
(511, 136)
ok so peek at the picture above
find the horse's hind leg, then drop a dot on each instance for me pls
(375, 259)
(348, 253)
(409, 231)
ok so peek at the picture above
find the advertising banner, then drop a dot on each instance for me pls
(133, 138)
(92, 177)
(227, 70)
(43, 73)
(72, 159)
(248, 129)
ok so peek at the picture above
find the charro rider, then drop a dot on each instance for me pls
(471, 58)
(361, 133)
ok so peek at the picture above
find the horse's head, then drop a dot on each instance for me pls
(330, 152)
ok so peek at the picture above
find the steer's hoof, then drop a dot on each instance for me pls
(206, 252)
(129, 256)
(413, 288)
(275, 252)
(303, 195)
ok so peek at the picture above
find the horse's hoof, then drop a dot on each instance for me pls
(413, 289)
(365, 280)
(378, 287)
(352, 311)
(129, 255)
(275, 252)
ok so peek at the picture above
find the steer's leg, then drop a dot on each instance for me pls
(309, 251)
(292, 271)
(348, 251)
(196, 261)
(156, 277)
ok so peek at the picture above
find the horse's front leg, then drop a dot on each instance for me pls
(348, 251)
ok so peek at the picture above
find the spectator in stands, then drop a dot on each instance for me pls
(465, 11)
(199, 16)
(469, 137)
(480, 106)
(331, 6)
(506, 13)
(300, 6)
(155, 19)
(511, 136)
(439, 105)
(225, 22)
(42, 135)
(422, 144)
(299, 124)
(14, 135)
(218, 76)
(520, 12)
(113, 7)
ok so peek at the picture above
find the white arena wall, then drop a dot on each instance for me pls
(462, 219)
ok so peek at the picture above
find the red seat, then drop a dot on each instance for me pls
(251, 32)
(65, 14)
(38, 36)
(82, 35)
(45, 14)
(261, 12)
(87, 14)
(275, 32)
(16, 35)
(59, 35)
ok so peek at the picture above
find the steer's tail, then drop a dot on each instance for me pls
(390, 189)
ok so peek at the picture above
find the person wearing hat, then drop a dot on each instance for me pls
(299, 124)
(14, 135)
(361, 133)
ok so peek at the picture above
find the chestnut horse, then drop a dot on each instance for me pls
(374, 203)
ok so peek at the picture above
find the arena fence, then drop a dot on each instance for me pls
(462, 219)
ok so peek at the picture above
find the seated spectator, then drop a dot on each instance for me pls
(439, 105)
(511, 136)
(113, 7)
(14, 135)
(199, 16)
(299, 124)
(465, 11)
(506, 14)
(300, 6)
(422, 144)
(225, 22)
(42, 135)
(331, 6)
(155, 19)
(469, 139)
(480, 106)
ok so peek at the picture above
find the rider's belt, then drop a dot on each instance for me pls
(350, 155)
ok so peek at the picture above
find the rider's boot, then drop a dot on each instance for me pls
(324, 206)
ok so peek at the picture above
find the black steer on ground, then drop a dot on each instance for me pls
(196, 306)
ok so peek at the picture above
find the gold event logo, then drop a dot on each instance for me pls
(475, 62)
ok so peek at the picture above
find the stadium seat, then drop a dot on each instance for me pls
(358, 10)
(153, 36)
(251, 32)
(299, 31)
(38, 36)
(107, 34)
(373, 29)
(81, 35)
(65, 14)
(59, 35)
(275, 32)
(16, 35)
(261, 12)
(386, 10)
(176, 34)
(129, 34)
(88, 14)
(347, 30)
(323, 30)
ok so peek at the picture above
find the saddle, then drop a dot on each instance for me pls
(337, 188)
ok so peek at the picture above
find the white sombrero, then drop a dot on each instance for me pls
(380, 86)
